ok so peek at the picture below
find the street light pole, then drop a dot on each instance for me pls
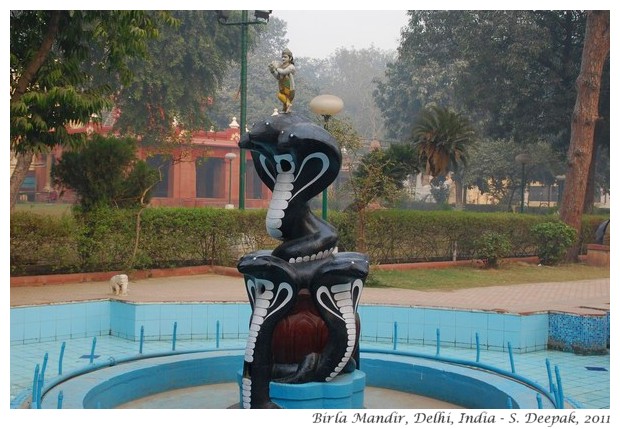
(560, 179)
(262, 17)
(522, 187)
(326, 105)
(324, 196)
(244, 87)
(523, 159)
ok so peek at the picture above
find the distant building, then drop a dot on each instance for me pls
(197, 174)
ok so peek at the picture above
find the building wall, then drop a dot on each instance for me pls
(182, 177)
(180, 191)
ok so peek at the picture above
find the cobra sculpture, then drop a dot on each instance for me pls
(304, 278)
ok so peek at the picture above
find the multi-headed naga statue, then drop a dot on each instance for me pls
(304, 294)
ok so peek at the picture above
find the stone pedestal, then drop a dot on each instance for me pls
(343, 392)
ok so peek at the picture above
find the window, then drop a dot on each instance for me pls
(161, 162)
(210, 177)
(28, 187)
(254, 186)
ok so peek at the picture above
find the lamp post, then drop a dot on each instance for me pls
(260, 17)
(230, 156)
(523, 158)
(560, 179)
(326, 105)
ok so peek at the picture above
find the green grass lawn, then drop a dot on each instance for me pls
(57, 209)
(468, 277)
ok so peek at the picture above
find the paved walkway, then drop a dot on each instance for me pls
(580, 297)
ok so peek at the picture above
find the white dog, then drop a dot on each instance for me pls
(119, 284)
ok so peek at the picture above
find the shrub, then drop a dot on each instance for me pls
(491, 247)
(44, 244)
(105, 173)
(553, 240)
(104, 240)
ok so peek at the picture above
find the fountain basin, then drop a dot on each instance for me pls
(117, 382)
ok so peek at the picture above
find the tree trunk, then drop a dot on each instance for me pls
(19, 174)
(588, 203)
(39, 57)
(25, 159)
(458, 193)
(585, 115)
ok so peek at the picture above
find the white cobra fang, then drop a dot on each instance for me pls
(340, 296)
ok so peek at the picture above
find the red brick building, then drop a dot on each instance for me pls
(197, 174)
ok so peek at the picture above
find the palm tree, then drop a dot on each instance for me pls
(441, 137)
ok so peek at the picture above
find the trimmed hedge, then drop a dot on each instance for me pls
(175, 237)
(43, 244)
(395, 236)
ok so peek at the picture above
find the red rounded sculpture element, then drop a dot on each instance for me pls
(300, 333)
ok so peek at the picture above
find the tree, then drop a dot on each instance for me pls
(53, 56)
(267, 43)
(585, 116)
(375, 175)
(511, 71)
(599, 175)
(424, 71)
(352, 75)
(179, 79)
(348, 73)
(442, 137)
(343, 130)
(106, 173)
(370, 181)
(176, 90)
(492, 168)
(520, 73)
(351, 145)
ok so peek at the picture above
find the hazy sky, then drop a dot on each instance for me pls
(318, 33)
